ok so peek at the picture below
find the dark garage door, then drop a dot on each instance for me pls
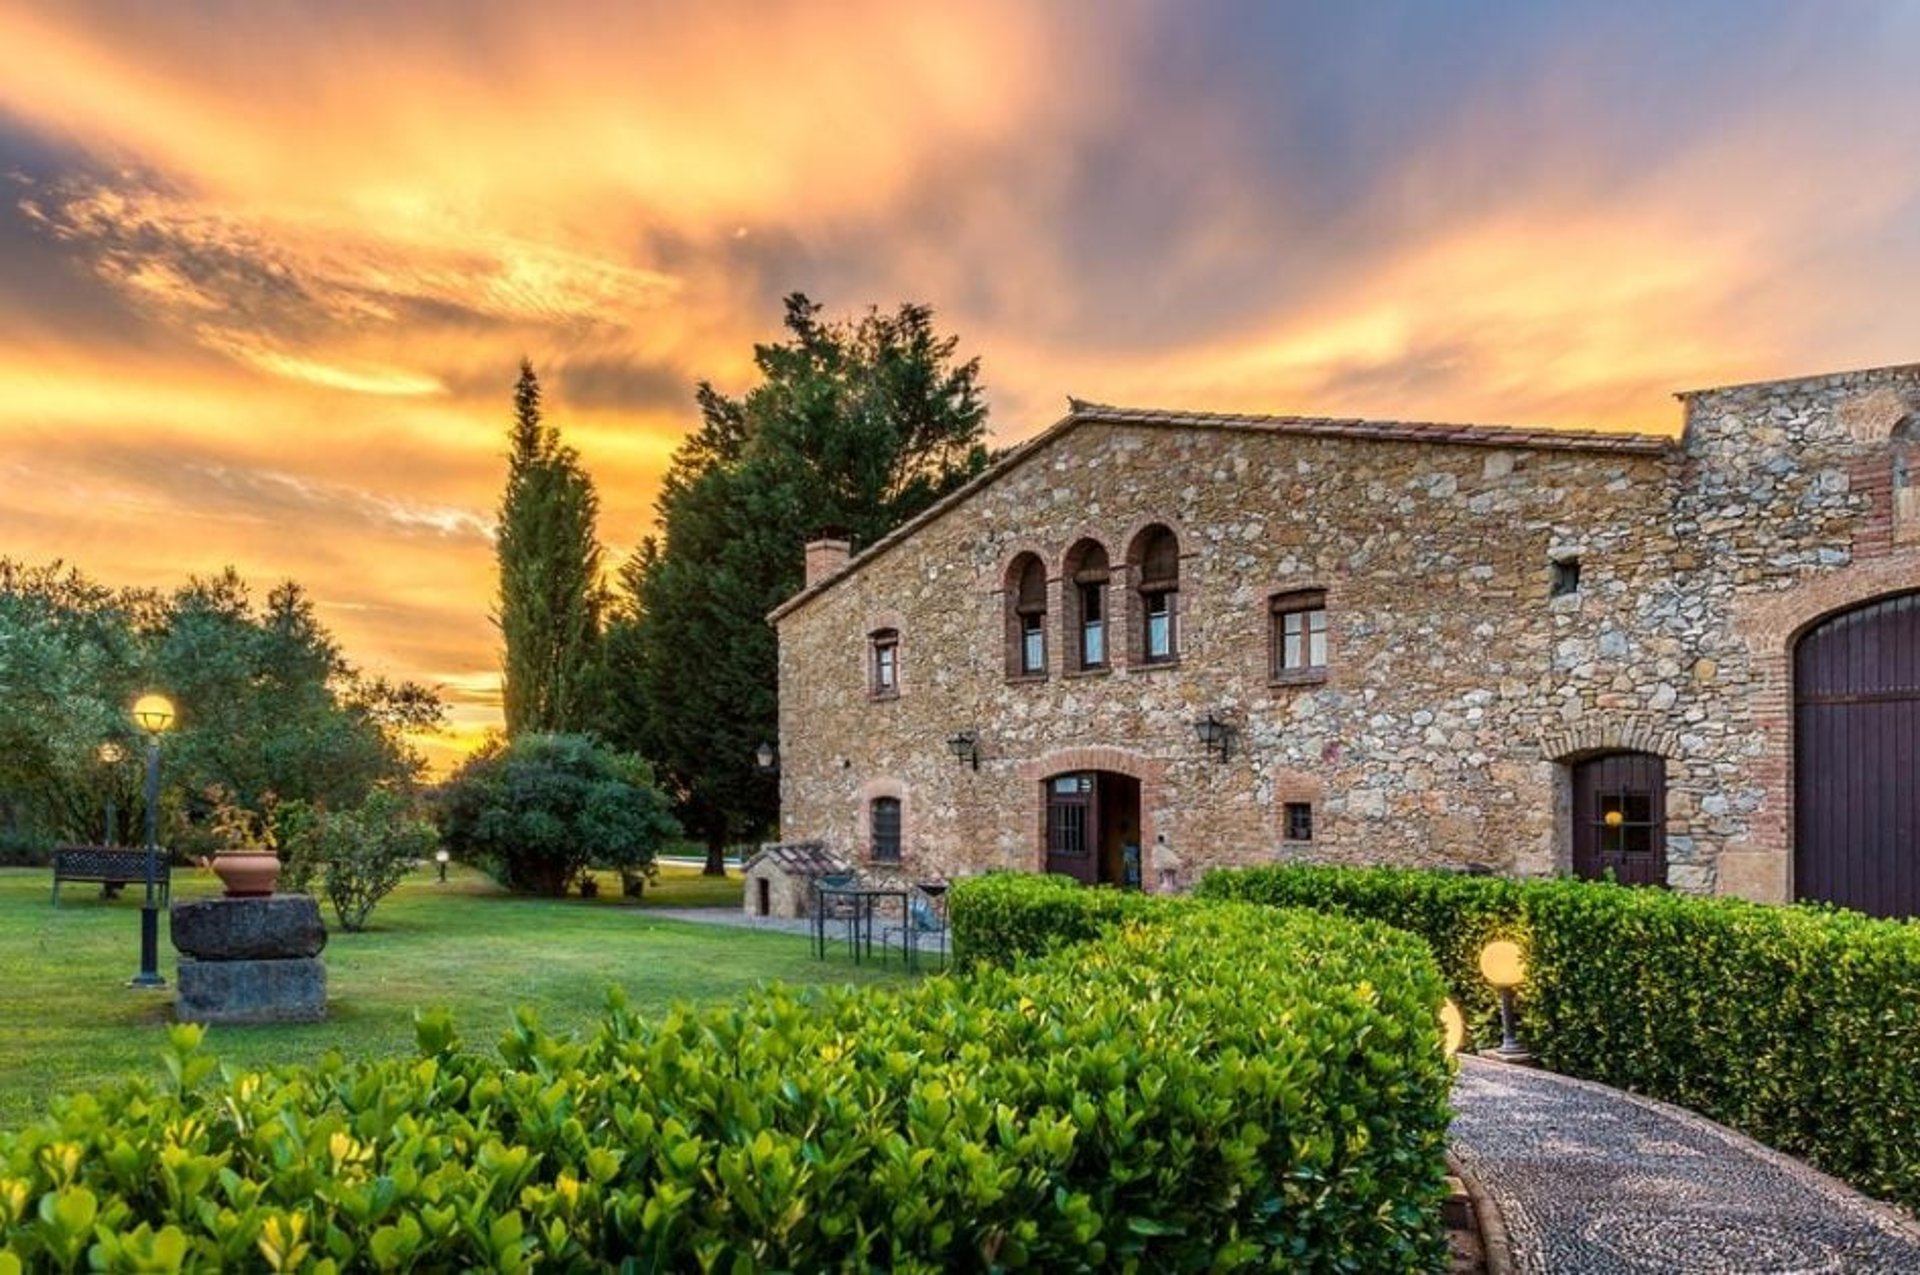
(1856, 682)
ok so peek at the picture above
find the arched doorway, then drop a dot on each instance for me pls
(1856, 682)
(1620, 818)
(1093, 827)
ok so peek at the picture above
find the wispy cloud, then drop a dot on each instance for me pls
(266, 269)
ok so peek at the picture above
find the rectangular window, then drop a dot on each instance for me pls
(1299, 819)
(1159, 627)
(1299, 633)
(1093, 626)
(1033, 643)
(885, 818)
(1564, 577)
(886, 663)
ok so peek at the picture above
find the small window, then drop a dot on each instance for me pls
(1026, 591)
(1299, 820)
(1155, 558)
(1093, 625)
(1299, 633)
(1033, 644)
(886, 662)
(1085, 602)
(1565, 577)
(884, 819)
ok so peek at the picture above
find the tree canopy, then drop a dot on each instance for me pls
(267, 704)
(551, 599)
(854, 427)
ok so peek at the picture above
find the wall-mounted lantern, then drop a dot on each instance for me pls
(1215, 735)
(965, 747)
(766, 757)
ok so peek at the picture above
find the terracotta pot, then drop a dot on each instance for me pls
(247, 874)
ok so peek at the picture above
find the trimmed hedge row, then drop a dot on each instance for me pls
(1797, 1025)
(1249, 1088)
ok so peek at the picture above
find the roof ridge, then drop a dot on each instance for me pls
(1084, 409)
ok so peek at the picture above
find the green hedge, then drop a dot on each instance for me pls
(1249, 1088)
(1797, 1025)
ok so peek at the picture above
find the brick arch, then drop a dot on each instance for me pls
(1610, 733)
(1049, 559)
(1151, 772)
(1770, 626)
(1158, 518)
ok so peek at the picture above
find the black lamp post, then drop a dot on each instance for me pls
(153, 714)
(111, 755)
(1503, 965)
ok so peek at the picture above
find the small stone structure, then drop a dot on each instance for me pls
(251, 960)
(779, 879)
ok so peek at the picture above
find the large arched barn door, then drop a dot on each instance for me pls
(1856, 680)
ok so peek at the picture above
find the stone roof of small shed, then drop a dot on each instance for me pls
(799, 858)
(1080, 412)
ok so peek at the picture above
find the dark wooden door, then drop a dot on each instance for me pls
(1620, 818)
(1073, 826)
(1857, 759)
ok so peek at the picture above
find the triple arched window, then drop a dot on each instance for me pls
(1143, 618)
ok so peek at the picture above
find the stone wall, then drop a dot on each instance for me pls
(1457, 686)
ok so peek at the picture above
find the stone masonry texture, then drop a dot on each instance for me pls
(1458, 686)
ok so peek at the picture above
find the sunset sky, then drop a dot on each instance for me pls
(267, 269)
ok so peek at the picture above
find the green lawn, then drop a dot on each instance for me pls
(68, 1020)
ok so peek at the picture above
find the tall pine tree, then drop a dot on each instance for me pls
(856, 426)
(550, 593)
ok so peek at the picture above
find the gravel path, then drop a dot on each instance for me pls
(1589, 1179)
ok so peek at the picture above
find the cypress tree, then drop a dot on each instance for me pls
(549, 557)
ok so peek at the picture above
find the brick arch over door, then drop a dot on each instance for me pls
(1857, 758)
(1770, 627)
(1151, 774)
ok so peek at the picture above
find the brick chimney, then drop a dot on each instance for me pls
(825, 558)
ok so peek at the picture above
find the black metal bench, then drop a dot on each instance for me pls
(112, 867)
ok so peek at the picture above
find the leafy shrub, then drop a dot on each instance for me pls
(1798, 1025)
(1456, 914)
(1004, 915)
(359, 856)
(1247, 1089)
(536, 812)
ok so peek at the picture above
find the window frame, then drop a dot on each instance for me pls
(883, 664)
(1306, 604)
(894, 837)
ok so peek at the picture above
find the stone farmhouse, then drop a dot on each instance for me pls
(1145, 643)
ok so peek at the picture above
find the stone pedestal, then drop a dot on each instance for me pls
(286, 991)
(251, 960)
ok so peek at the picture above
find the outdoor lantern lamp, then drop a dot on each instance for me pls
(152, 714)
(765, 756)
(965, 747)
(1214, 735)
(111, 755)
(1453, 1028)
(1502, 965)
(440, 858)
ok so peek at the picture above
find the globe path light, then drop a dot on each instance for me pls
(111, 755)
(1503, 965)
(1453, 1028)
(152, 714)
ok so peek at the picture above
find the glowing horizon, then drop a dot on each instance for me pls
(267, 270)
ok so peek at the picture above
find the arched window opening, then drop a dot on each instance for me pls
(1087, 576)
(1155, 559)
(1026, 590)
